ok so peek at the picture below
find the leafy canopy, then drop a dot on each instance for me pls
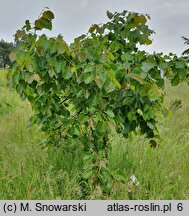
(101, 81)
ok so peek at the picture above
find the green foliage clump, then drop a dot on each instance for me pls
(101, 82)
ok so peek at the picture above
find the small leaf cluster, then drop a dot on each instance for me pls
(186, 52)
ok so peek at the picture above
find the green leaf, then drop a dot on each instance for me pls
(127, 57)
(62, 47)
(52, 46)
(180, 65)
(43, 23)
(163, 65)
(21, 56)
(138, 78)
(161, 83)
(110, 113)
(57, 66)
(12, 56)
(154, 92)
(146, 66)
(148, 42)
(48, 15)
(92, 29)
(150, 125)
(101, 127)
(40, 90)
(111, 56)
(109, 87)
(38, 25)
(112, 78)
(33, 77)
(28, 26)
(43, 42)
(51, 72)
(168, 72)
(116, 83)
(87, 94)
(131, 115)
(139, 111)
(88, 68)
(99, 81)
(67, 73)
(182, 74)
(175, 81)
(29, 91)
(109, 14)
(20, 34)
(139, 19)
(111, 74)
(89, 78)
(76, 130)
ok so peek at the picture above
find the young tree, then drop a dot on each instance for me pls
(5, 49)
(101, 82)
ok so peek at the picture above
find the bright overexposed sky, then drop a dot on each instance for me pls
(169, 18)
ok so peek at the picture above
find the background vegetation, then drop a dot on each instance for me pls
(5, 49)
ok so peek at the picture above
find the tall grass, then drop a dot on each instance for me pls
(163, 172)
(28, 170)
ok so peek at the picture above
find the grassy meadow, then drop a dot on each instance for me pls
(30, 171)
